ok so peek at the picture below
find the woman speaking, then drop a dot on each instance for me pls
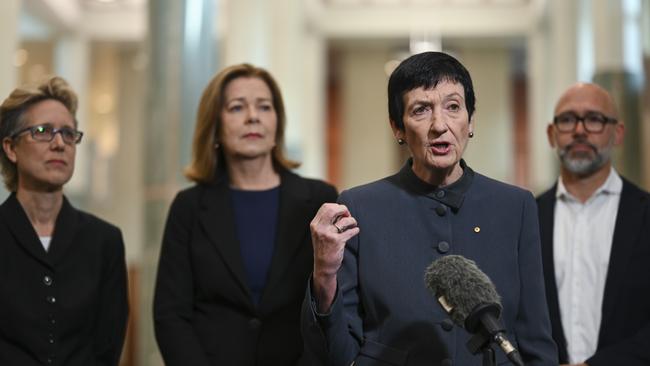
(368, 302)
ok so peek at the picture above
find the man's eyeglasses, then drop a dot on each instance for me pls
(47, 133)
(592, 122)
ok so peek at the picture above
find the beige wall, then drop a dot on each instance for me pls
(10, 10)
(369, 149)
(491, 150)
(114, 132)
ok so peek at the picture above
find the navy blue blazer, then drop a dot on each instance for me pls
(384, 315)
(624, 336)
(67, 306)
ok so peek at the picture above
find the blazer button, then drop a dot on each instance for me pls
(254, 323)
(447, 324)
(443, 247)
(441, 210)
(51, 299)
(446, 362)
(47, 280)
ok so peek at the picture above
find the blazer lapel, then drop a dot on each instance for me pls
(294, 207)
(18, 224)
(64, 231)
(546, 207)
(629, 221)
(217, 220)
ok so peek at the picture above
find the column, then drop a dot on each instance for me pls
(618, 67)
(645, 104)
(552, 67)
(9, 40)
(182, 50)
(71, 55)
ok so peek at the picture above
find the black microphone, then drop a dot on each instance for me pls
(471, 300)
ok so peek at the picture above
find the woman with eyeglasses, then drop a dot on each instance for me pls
(63, 287)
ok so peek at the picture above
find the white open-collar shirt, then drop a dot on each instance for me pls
(582, 242)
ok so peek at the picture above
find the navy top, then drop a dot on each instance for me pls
(256, 219)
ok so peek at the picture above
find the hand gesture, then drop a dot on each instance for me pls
(330, 229)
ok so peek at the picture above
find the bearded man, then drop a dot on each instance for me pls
(595, 232)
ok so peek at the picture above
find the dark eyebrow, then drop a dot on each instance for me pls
(454, 95)
(421, 102)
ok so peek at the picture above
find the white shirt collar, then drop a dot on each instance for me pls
(612, 185)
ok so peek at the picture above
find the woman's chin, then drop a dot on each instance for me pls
(442, 162)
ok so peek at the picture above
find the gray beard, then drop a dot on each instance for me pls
(584, 166)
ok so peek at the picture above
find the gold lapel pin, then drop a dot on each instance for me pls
(477, 229)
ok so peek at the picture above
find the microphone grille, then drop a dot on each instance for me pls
(463, 285)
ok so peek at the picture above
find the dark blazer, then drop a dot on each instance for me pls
(67, 306)
(203, 310)
(384, 315)
(624, 337)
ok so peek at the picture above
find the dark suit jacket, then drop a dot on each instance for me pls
(384, 315)
(67, 306)
(203, 310)
(624, 337)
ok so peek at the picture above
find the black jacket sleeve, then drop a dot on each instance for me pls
(174, 294)
(113, 306)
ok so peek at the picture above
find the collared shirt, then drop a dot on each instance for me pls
(582, 242)
(46, 240)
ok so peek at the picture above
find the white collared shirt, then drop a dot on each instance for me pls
(582, 242)
(45, 240)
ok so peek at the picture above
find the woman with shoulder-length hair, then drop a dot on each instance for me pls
(236, 252)
(63, 288)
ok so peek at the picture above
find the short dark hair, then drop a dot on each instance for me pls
(426, 70)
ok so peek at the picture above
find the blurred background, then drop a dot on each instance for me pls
(140, 66)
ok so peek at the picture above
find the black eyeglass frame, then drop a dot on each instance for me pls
(604, 120)
(33, 129)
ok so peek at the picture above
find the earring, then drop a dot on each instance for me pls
(216, 146)
(471, 134)
(401, 141)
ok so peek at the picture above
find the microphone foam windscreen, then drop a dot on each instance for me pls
(463, 285)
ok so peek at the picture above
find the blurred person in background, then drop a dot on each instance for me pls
(63, 280)
(595, 230)
(236, 251)
(367, 302)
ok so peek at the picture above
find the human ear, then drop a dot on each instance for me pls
(8, 147)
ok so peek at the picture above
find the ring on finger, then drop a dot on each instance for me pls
(338, 229)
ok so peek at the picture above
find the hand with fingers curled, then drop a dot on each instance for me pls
(330, 229)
